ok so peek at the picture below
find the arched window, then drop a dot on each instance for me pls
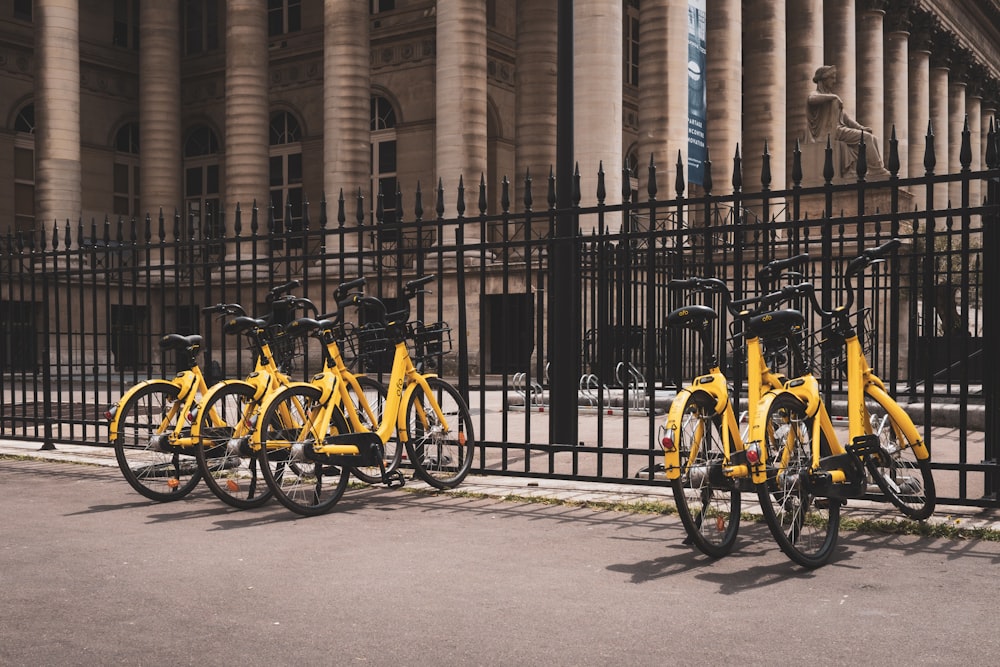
(24, 169)
(126, 171)
(201, 184)
(383, 158)
(286, 173)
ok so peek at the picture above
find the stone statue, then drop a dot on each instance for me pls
(827, 118)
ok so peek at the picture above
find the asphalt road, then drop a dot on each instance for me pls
(93, 574)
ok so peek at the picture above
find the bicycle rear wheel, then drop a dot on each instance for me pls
(228, 465)
(805, 526)
(304, 486)
(375, 393)
(441, 457)
(707, 501)
(904, 479)
(147, 458)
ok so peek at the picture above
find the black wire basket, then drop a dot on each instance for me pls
(284, 348)
(428, 340)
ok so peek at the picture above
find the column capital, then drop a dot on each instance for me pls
(898, 17)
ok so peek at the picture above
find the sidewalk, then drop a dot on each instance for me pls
(568, 491)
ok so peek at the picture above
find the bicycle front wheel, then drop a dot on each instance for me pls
(375, 394)
(151, 463)
(304, 486)
(904, 479)
(707, 501)
(441, 453)
(228, 464)
(805, 526)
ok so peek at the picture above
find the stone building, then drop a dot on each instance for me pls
(137, 106)
(131, 106)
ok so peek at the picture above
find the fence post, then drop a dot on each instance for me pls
(564, 311)
(991, 314)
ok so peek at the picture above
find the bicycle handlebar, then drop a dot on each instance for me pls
(225, 309)
(772, 270)
(410, 289)
(280, 290)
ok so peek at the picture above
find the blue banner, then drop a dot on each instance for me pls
(697, 92)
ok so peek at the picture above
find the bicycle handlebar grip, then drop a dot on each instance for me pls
(773, 269)
(871, 256)
(412, 285)
(275, 292)
(305, 304)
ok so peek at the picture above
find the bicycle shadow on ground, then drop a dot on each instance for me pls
(740, 571)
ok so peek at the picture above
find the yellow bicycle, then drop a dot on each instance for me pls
(229, 410)
(151, 424)
(703, 447)
(308, 464)
(802, 472)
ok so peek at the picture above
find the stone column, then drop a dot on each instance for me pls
(160, 159)
(663, 107)
(247, 113)
(805, 56)
(897, 83)
(919, 109)
(461, 101)
(956, 123)
(346, 104)
(597, 96)
(870, 63)
(940, 123)
(537, 21)
(840, 48)
(724, 78)
(57, 107)
(764, 67)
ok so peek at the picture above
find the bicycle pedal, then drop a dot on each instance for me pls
(865, 445)
(395, 480)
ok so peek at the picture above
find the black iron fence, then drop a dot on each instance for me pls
(83, 304)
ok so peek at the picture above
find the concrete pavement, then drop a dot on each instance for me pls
(94, 574)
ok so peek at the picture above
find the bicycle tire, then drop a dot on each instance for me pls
(805, 526)
(904, 479)
(159, 475)
(442, 459)
(228, 465)
(707, 502)
(376, 393)
(306, 487)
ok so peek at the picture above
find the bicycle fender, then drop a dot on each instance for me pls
(758, 429)
(401, 428)
(268, 399)
(113, 425)
(902, 419)
(672, 457)
(196, 425)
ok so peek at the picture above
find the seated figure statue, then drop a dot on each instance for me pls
(827, 118)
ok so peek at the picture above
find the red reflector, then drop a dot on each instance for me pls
(753, 455)
(668, 443)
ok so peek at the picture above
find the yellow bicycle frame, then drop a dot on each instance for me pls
(714, 384)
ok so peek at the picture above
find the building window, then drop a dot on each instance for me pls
(24, 170)
(283, 16)
(22, 10)
(125, 30)
(201, 26)
(202, 203)
(383, 165)
(286, 176)
(383, 6)
(126, 171)
(631, 43)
